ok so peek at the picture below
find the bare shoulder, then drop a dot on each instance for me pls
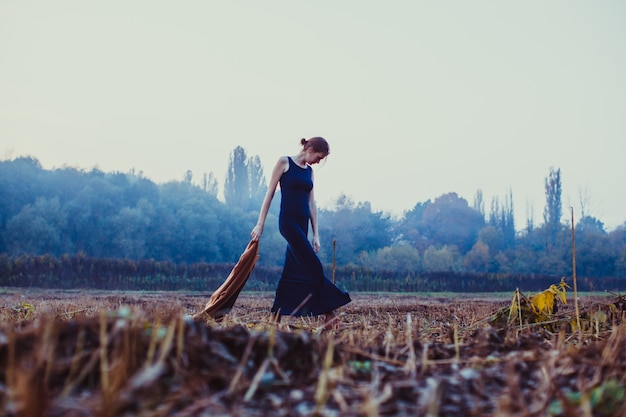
(282, 164)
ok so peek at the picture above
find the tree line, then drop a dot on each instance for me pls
(73, 212)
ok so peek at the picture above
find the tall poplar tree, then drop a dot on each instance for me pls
(237, 183)
(258, 184)
(245, 184)
(553, 210)
(479, 202)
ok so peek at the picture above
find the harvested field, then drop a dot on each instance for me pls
(139, 354)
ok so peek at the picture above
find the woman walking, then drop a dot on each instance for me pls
(303, 288)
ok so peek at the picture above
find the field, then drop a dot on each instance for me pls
(80, 354)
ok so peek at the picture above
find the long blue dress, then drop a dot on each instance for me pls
(303, 276)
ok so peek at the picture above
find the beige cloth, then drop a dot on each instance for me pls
(223, 299)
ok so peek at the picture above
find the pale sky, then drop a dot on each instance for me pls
(416, 98)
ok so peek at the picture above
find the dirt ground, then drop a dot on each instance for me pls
(77, 353)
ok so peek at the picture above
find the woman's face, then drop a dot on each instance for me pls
(315, 157)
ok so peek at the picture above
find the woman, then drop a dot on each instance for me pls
(303, 289)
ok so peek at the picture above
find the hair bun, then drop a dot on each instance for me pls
(316, 143)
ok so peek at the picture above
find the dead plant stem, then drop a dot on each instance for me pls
(574, 276)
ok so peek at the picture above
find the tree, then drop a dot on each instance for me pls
(237, 183)
(130, 225)
(245, 185)
(449, 220)
(508, 220)
(192, 223)
(530, 218)
(440, 260)
(477, 259)
(209, 184)
(553, 258)
(37, 229)
(502, 218)
(618, 241)
(479, 202)
(188, 177)
(493, 238)
(595, 256)
(20, 184)
(91, 213)
(408, 228)
(553, 210)
(401, 257)
(258, 184)
(355, 227)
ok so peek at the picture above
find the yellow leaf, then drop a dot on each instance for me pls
(543, 302)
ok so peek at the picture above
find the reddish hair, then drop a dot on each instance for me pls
(317, 144)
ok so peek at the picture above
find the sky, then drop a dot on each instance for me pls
(416, 98)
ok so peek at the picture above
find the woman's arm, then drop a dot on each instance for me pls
(313, 214)
(279, 169)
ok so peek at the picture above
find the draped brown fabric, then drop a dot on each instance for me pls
(223, 299)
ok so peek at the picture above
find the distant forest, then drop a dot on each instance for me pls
(94, 214)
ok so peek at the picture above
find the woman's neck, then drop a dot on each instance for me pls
(300, 160)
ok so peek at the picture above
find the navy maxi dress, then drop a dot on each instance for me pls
(303, 276)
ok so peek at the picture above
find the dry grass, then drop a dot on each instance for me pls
(120, 354)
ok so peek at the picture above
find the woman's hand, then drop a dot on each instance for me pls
(256, 232)
(316, 243)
